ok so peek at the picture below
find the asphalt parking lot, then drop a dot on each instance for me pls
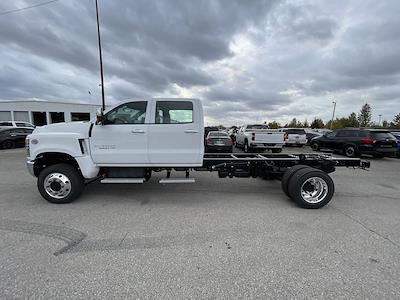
(217, 238)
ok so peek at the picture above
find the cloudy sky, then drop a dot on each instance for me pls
(248, 60)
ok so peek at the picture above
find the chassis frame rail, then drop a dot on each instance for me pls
(273, 166)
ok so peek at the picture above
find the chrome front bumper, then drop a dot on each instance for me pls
(30, 165)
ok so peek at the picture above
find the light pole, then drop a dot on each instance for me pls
(333, 114)
(100, 58)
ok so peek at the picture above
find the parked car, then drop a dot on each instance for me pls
(294, 136)
(218, 141)
(13, 137)
(8, 124)
(357, 141)
(259, 137)
(207, 129)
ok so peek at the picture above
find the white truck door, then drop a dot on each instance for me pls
(176, 133)
(123, 138)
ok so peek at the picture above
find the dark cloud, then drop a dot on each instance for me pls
(247, 60)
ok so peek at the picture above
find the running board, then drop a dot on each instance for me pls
(177, 180)
(122, 180)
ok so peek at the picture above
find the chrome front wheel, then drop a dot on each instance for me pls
(57, 185)
(60, 183)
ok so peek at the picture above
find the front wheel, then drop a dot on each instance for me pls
(315, 146)
(60, 183)
(8, 144)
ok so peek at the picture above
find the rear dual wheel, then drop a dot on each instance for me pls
(308, 187)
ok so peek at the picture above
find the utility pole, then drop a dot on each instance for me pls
(333, 114)
(101, 59)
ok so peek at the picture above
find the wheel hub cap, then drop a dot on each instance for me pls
(314, 190)
(57, 185)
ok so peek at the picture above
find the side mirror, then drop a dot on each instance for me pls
(99, 117)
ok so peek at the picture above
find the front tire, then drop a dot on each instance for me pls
(8, 144)
(60, 183)
(311, 188)
(315, 146)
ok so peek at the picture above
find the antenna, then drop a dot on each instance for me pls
(101, 60)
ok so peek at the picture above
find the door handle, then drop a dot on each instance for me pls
(191, 131)
(137, 131)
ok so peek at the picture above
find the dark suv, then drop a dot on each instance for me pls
(13, 137)
(356, 141)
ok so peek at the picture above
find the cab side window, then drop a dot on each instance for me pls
(174, 112)
(127, 113)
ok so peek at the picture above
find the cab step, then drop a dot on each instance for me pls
(177, 180)
(122, 180)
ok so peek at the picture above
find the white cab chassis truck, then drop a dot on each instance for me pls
(133, 139)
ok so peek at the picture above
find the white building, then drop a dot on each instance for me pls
(40, 112)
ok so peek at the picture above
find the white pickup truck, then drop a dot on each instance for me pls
(259, 136)
(133, 139)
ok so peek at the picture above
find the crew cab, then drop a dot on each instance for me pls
(127, 142)
(259, 136)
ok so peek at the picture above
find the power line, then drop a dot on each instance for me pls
(25, 8)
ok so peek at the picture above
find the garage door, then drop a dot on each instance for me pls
(21, 116)
(5, 115)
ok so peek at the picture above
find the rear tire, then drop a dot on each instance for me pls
(288, 175)
(8, 144)
(311, 188)
(350, 151)
(60, 183)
